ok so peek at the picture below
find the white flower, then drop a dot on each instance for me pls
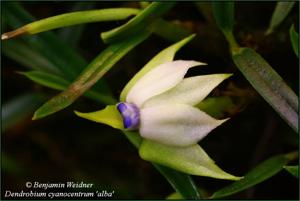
(161, 104)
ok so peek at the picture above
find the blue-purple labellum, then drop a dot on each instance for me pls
(131, 115)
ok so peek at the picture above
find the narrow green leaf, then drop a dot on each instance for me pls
(139, 23)
(68, 19)
(93, 72)
(58, 83)
(294, 36)
(47, 79)
(224, 15)
(164, 56)
(109, 116)
(259, 174)
(281, 11)
(190, 160)
(19, 108)
(268, 84)
(294, 170)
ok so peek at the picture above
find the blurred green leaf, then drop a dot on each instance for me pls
(281, 11)
(19, 108)
(73, 34)
(74, 18)
(294, 36)
(268, 84)
(10, 165)
(139, 23)
(224, 15)
(216, 106)
(109, 116)
(93, 72)
(169, 30)
(294, 170)
(259, 174)
(23, 54)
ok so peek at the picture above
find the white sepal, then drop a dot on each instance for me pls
(190, 91)
(159, 80)
(176, 124)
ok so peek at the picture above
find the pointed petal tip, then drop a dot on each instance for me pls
(198, 63)
(80, 114)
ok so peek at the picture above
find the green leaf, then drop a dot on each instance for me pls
(294, 170)
(259, 174)
(109, 116)
(281, 11)
(19, 108)
(294, 36)
(93, 72)
(268, 84)
(190, 160)
(164, 56)
(68, 19)
(224, 16)
(139, 23)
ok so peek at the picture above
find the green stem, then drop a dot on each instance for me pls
(231, 40)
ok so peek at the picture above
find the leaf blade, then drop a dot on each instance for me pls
(281, 11)
(294, 37)
(268, 84)
(260, 173)
(292, 169)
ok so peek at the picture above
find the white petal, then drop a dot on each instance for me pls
(159, 80)
(176, 124)
(190, 91)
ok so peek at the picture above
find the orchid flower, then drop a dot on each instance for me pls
(158, 113)
(161, 104)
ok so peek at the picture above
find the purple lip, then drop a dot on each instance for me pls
(131, 115)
